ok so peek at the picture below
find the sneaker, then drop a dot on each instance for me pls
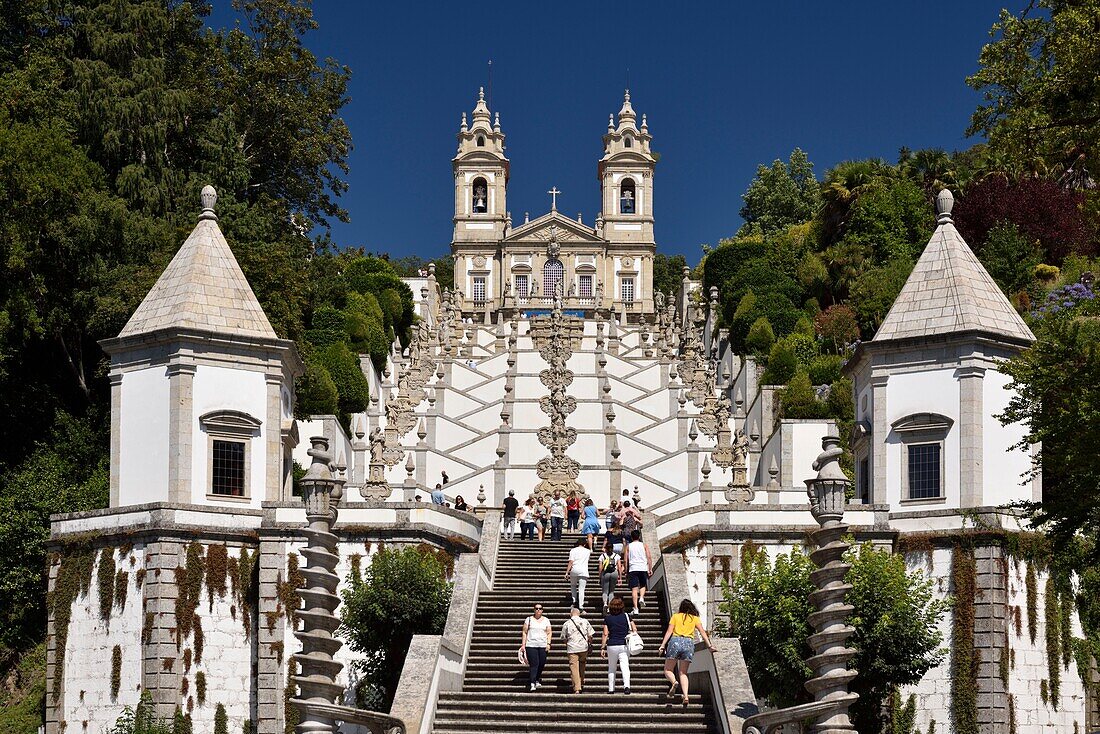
(611, 690)
(626, 691)
(538, 684)
(532, 686)
(642, 602)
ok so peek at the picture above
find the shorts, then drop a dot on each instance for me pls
(639, 579)
(680, 648)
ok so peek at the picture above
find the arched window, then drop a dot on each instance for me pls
(481, 141)
(626, 196)
(480, 196)
(627, 142)
(552, 274)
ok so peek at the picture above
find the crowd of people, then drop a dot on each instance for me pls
(619, 642)
(624, 560)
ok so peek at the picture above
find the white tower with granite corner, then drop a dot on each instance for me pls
(202, 389)
(928, 390)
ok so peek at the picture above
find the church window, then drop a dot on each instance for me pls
(481, 141)
(627, 290)
(627, 142)
(227, 473)
(552, 274)
(626, 196)
(923, 470)
(480, 196)
(584, 285)
(479, 290)
(521, 285)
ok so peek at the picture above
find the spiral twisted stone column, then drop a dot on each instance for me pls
(827, 493)
(316, 679)
(829, 710)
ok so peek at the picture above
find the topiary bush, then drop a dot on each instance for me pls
(782, 364)
(760, 337)
(316, 392)
(804, 347)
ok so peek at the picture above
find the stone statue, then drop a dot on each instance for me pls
(599, 291)
(534, 288)
(377, 445)
(572, 289)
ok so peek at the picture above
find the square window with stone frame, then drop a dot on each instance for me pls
(229, 451)
(924, 470)
(227, 467)
(521, 285)
(922, 440)
(584, 286)
(479, 289)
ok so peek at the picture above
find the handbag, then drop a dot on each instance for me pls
(589, 639)
(634, 643)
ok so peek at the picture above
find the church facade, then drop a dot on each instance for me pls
(506, 266)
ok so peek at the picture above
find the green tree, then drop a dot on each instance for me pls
(1010, 257)
(668, 272)
(1041, 93)
(1056, 397)
(351, 385)
(896, 617)
(316, 392)
(782, 365)
(875, 291)
(404, 591)
(782, 195)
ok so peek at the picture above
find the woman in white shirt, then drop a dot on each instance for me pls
(577, 572)
(537, 634)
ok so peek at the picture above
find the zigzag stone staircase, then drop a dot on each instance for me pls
(494, 696)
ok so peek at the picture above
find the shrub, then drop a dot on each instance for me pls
(895, 617)
(804, 347)
(327, 327)
(351, 384)
(316, 392)
(761, 337)
(825, 369)
(837, 326)
(403, 591)
(874, 291)
(798, 400)
(782, 364)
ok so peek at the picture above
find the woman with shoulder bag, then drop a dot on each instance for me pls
(616, 627)
(678, 646)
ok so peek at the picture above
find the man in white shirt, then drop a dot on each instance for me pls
(537, 634)
(639, 568)
(577, 634)
(577, 572)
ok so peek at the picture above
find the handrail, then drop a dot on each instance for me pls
(377, 723)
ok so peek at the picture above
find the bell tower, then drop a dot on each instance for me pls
(481, 183)
(626, 222)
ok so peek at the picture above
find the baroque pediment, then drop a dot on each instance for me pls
(554, 226)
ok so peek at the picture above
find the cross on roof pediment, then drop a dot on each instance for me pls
(564, 229)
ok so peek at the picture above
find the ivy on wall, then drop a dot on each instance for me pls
(73, 580)
(964, 658)
(1032, 584)
(188, 590)
(1053, 640)
(217, 568)
(105, 580)
(221, 720)
(116, 671)
(200, 687)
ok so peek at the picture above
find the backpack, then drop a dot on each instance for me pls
(629, 523)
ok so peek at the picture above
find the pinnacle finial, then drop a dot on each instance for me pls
(611, 122)
(481, 93)
(496, 123)
(644, 123)
(945, 201)
(208, 197)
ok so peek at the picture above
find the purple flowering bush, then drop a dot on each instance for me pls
(1077, 298)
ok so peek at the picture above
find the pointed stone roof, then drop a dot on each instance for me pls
(949, 291)
(202, 288)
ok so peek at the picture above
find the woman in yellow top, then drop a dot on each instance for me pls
(678, 647)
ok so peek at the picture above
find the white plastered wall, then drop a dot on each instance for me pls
(143, 437)
(220, 388)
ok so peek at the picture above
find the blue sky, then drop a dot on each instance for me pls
(725, 85)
